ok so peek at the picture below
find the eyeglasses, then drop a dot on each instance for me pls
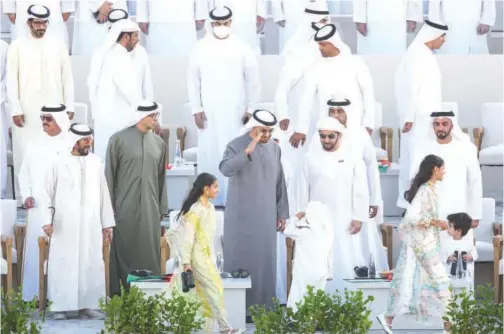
(265, 131)
(330, 136)
(46, 118)
(154, 116)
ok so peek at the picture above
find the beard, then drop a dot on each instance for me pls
(83, 151)
(442, 134)
(329, 146)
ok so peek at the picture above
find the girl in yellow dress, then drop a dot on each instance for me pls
(196, 250)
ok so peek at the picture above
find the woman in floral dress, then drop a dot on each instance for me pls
(420, 286)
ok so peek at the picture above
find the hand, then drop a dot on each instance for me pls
(369, 130)
(18, 120)
(200, 119)
(12, 18)
(441, 224)
(200, 24)
(29, 203)
(65, 16)
(281, 23)
(259, 24)
(373, 211)
(280, 225)
(48, 230)
(300, 215)
(284, 124)
(245, 118)
(102, 18)
(407, 127)
(251, 147)
(483, 29)
(410, 26)
(297, 138)
(71, 115)
(451, 258)
(187, 267)
(144, 27)
(355, 227)
(475, 223)
(108, 233)
(362, 28)
(467, 258)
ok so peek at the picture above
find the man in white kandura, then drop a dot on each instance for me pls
(90, 24)
(4, 47)
(383, 26)
(312, 230)
(170, 25)
(78, 220)
(223, 88)
(41, 152)
(140, 59)
(114, 91)
(359, 141)
(461, 189)
(39, 71)
(18, 12)
(248, 19)
(340, 71)
(288, 14)
(418, 92)
(336, 177)
(470, 22)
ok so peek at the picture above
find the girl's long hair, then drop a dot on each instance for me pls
(203, 180)
(424, 174)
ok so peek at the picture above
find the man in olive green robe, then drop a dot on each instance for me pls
(135, 172)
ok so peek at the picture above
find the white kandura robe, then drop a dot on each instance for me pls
(143, 71)
(172, 28)
(463, 18)
(386, 24)
(4, 116)
(223, 82)
(41, 153)
(450, 245)
(77, 189)
(244, 18)
(320, 175)
(88, 34)
(117, 97)
(418, 93)
(57, 28)
(39, 72)
(461, 189)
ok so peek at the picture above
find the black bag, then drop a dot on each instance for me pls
(187, 281)
(453, 269)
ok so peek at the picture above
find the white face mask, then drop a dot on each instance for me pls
(222, 31)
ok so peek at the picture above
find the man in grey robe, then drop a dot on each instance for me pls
(256, 207)
(135, 172)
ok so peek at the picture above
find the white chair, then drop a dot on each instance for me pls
(81, 113)
(484, 232)
(492, 142)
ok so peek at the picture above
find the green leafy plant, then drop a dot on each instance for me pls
(313, 312)
(181, 313)
(353, 314)
(469, 315)
(19, 316)
(272, 320)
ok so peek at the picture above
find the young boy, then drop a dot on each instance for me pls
(453, 244)
(313, 233)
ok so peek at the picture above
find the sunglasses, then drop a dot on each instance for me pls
(330, 136)
(266, 131)
(154, 116)
(47, 118)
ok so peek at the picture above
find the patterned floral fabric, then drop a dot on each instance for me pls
(420, 286)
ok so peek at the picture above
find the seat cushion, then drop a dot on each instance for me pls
(492, 156)
(190, 154)
(381, 153)
(485, 251)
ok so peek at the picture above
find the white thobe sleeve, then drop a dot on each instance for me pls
(414, 11)
(147, 88)
(252, 83)
(360, 11)
(373, 174)
(24, 177)
(277, 10)
(9, 6)
(67, 79)
(367, 92)
(200, 10)
(194, 83)
(51, 181)
(300, 191)
(142, 11)
(292, 231)
(67, 6)
(488, 13)
(435, 13)
(261, 9)
(289, 76)
(410, 89)
(306, 104)
(125, 85)
(94, 6)
(474, 185)
(473, 250)
(12, 77)
(106, 211)
(360, 195)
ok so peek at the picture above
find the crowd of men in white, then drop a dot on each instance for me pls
(38, 77)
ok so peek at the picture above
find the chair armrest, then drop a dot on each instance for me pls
(497, 229)
(106, 261)
(387, 141)
(165, 254)
(478, 137)
(43, 243)
(7, 244)
(387, 235)
(181, 135)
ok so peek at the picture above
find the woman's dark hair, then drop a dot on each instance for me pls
(203, 180)
(424, 174)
